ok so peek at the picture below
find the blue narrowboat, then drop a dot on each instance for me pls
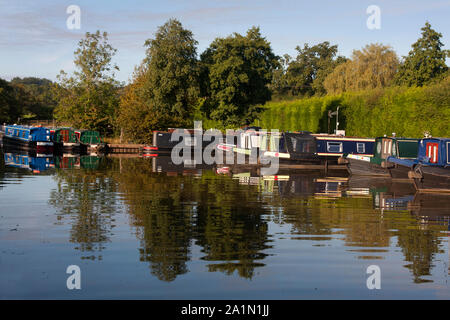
(28, 138)
(314, 148)
(431, 169)
(24, 161)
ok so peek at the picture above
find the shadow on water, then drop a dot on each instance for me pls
(178, 211)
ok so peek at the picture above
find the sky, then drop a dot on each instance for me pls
(35, 40)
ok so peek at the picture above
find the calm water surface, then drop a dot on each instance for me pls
(143, 228)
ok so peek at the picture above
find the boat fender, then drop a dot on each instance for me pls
(387, 165)
(414, 175)
(342, 160)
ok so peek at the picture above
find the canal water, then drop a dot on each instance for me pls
(147, 229)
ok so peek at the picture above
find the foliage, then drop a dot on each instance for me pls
(426, 60)
(39, 94)
(23, 99)
(9, 106)
(89, 98)
(306, 74)
(372, 67)
(164, 91)
(406, 111)
(236, 72)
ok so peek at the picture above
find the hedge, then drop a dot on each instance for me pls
(408, 112)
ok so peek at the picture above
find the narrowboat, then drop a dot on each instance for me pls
(90, 141)
(191, 138)
(25, 161)
(431, 173)
(317, 148)
(28, 138)
(245, 140)
(65, 140)
(377, 164)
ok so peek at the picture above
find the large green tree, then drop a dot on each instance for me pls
(236, 72)
(10, 109)
(165, 88)
(374, 66)
(89, 98)
(306, 74)
(426, 61)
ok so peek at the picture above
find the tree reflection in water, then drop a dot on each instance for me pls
(228, 219)
(87, 197)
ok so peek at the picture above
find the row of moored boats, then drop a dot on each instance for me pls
(42, 140)
(424, 162)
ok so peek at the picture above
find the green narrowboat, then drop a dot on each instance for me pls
(377, 165)
(65, 140)
(90, 140)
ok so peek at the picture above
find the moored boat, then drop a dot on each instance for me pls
(65, 140)
(305, 147)
(28, 138)
(90, 141)
(377, 164)
(431, 173)
(183, 139)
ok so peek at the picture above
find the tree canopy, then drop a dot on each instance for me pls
(372, 67)
(304, 76)
(164, 91)
(426, 60)
(236, 71)
(89, 98)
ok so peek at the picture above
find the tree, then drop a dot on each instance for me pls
(279, 85)
(372, 67)
(38, 98)
(305, 75)
(165, 88)
(89, 98)
(10, 109)
(426, 60)
(236, 72)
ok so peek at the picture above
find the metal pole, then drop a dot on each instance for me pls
(337, 119)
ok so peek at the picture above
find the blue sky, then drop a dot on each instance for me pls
(34, 39)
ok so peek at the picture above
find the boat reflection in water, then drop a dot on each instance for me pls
(36, 163)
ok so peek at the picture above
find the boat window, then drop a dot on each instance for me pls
(334, 146)
(394, 150)
(360, 147)
(408, 149)
(301, 145)
(432, 152)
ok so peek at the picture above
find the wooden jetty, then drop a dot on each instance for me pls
(124, 148)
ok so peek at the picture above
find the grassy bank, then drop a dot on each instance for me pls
(406, 111)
